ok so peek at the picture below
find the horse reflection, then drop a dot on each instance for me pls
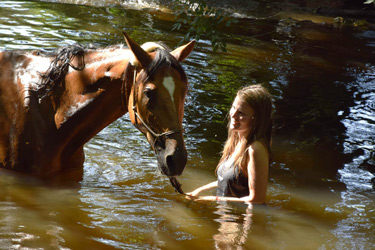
(51, 105)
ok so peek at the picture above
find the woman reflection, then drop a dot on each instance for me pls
(234, 228)
(243, 168)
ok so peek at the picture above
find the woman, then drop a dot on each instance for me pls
(243, 168)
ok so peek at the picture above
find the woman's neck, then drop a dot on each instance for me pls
(238, 149)
(243, 134)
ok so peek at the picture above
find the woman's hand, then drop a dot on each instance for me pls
(196, 192)
(189, 196)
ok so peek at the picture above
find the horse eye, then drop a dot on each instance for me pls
(149, 93)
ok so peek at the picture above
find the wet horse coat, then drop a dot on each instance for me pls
(50, 107)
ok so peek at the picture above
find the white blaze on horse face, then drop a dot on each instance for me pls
(170, 85)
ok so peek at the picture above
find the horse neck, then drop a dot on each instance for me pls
(94, 97)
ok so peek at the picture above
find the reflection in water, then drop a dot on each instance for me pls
(311, 131)
(34, 216)
(233, 230)
(321, 188)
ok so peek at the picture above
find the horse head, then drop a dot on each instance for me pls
(156, 101)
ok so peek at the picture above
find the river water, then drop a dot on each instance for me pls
(321, 188)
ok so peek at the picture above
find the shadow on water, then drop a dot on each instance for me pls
(314, 100)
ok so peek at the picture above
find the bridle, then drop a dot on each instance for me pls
(158, 136)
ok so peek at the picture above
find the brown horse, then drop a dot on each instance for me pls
(51, 105)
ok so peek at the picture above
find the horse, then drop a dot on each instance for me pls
(51, 104)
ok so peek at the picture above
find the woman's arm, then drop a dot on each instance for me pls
(257, 170)
(231, 199)
(203, 188)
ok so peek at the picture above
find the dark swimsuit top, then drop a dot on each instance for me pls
(230, 182)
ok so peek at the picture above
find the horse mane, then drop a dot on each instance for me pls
(59, 67)
(163, 58)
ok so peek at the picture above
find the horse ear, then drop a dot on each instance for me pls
(181, 53)
(141, 56)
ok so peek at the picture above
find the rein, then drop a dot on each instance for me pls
(176, 184)
(158, 136)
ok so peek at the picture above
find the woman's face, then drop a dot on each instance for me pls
(241, 117)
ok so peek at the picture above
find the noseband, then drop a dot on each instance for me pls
(157, 136)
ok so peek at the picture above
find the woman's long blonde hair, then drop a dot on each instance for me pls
(260, 101)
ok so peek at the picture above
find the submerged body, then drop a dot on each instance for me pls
(231, 182)
(45, 120)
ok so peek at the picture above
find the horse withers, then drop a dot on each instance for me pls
(51, 105)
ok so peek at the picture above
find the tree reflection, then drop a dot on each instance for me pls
(315, 98)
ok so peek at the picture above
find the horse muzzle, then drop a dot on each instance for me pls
(171, 155)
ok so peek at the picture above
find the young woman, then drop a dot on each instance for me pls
(243, 168)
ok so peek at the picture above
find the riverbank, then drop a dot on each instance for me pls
(252, 8)
(345, 9)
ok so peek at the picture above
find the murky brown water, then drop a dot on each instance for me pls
(321, 192)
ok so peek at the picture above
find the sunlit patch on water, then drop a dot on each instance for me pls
(359, 175)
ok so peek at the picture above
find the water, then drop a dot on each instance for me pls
(321, 189)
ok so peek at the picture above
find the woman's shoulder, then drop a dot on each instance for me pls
(258, 148)
(259, 155)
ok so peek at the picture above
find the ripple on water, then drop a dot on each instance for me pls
(358, 199)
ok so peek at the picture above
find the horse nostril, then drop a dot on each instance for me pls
(158, 148)
(169, 160)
